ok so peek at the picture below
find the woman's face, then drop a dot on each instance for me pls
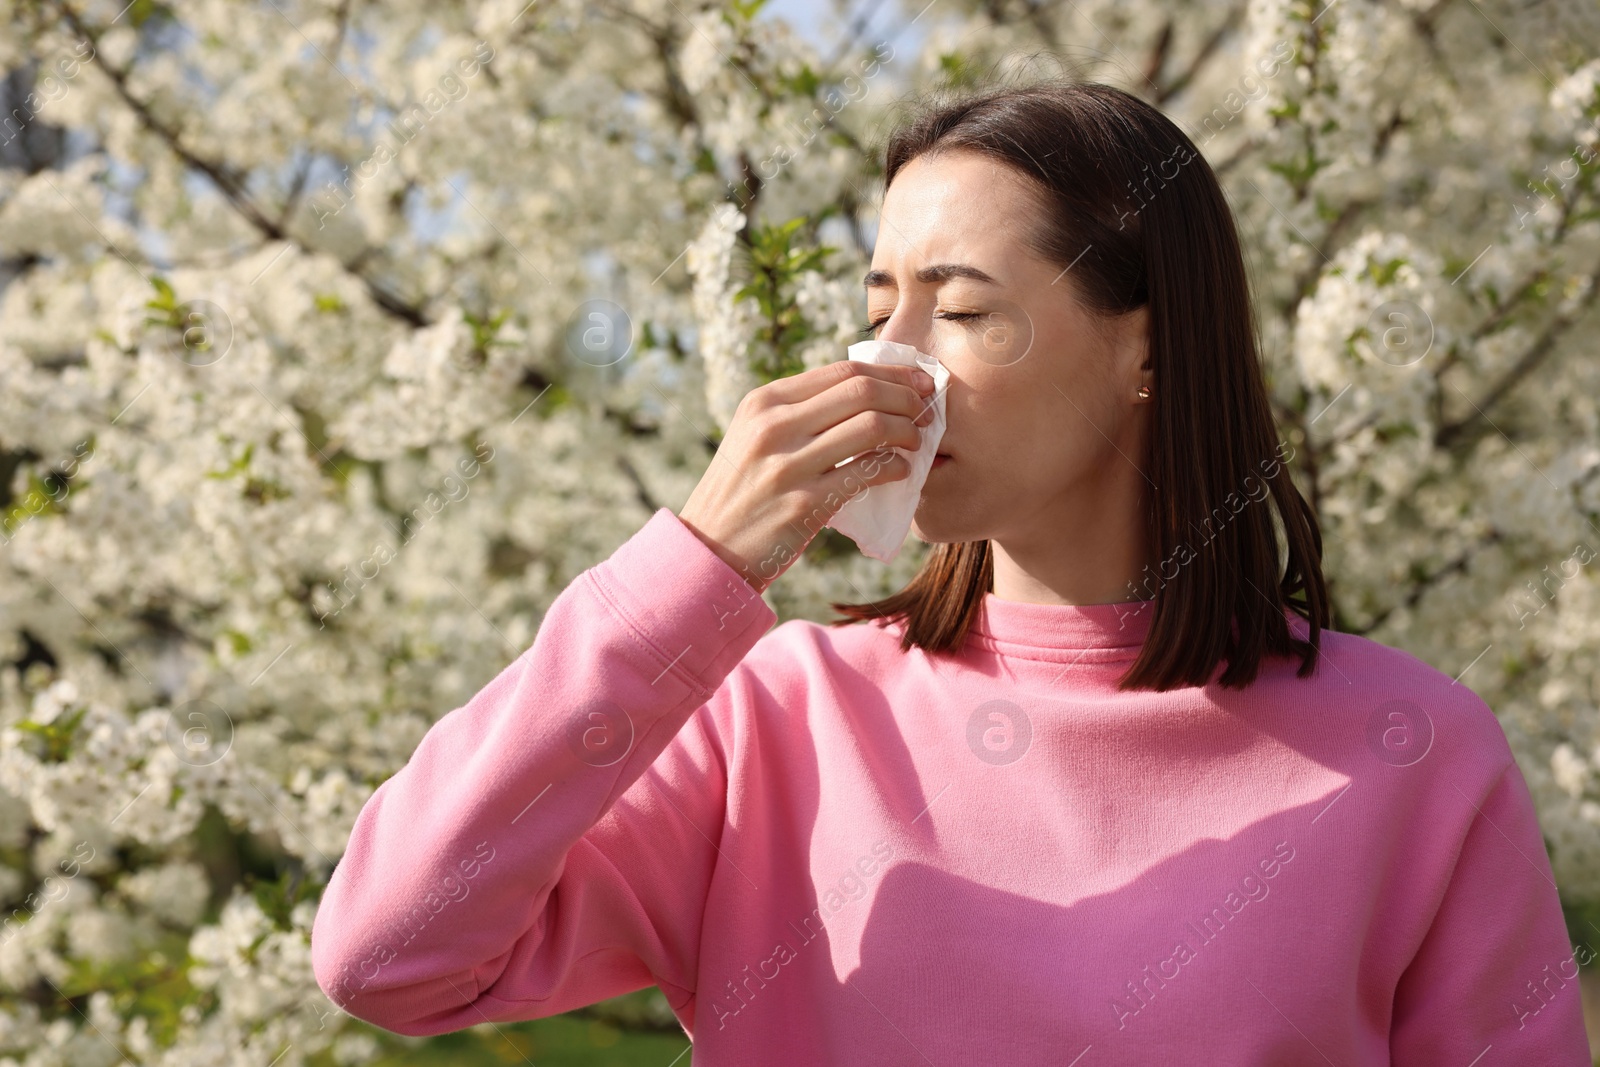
(1042, 397)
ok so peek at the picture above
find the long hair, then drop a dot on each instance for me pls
(1121, 179)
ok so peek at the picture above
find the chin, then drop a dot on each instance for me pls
(935, 526)
(950, 510)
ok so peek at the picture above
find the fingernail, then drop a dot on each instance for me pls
(924, 381)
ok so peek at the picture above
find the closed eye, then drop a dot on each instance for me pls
(953, 316)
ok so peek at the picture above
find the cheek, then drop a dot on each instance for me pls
(1078, 408)
(1034, 433)
(1012, 417)
(1005, 435)
(1020, 433)
(1003, 338)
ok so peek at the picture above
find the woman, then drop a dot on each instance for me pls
(1097, 787)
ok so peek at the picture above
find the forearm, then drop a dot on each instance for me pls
(452, 862)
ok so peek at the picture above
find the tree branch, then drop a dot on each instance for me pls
(1420, 586)
(1448, 433)
(1207, 50)
(229, 183)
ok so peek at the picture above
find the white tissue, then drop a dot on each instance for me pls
(878, 517)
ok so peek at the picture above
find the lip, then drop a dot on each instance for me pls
(939, 458)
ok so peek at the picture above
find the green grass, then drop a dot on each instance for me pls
(560, 1041)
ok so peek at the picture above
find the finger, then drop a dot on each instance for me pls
(863, 432)
(801, 387)
(852, 397)
(863, 472)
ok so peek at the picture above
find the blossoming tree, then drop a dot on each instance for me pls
(337, 338)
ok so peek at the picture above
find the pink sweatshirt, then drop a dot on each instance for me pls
(827, 851)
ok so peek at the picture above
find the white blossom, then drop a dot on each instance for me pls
(270, 569)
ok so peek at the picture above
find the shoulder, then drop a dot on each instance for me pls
(798, 667)
(1403, 708)
(800, 648)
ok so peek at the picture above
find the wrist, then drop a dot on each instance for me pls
(724, 553)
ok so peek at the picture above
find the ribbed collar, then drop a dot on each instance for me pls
(1062, 632)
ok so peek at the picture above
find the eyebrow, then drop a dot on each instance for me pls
(938, 273)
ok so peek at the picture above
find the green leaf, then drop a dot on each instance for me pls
(779, 253)
(38, 492)
(153, 986)
(1384, 273)
(165, 302)
(277, 898)
(166, 296)
(261, 490)
(56, 735)
(1299, 170)
(805, 82)
(485, 331)
(959, 71)
(142, 11)
(239, 465)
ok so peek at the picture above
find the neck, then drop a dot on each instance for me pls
(1079, 551)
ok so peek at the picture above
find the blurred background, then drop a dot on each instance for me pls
(276, 274)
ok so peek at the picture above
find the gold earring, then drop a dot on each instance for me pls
(1144, 392)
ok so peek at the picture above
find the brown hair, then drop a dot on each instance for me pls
(1119, 177)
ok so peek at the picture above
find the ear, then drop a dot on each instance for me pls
(1133, 354)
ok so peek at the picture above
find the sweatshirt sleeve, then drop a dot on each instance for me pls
(1495, 970)
(500, 874)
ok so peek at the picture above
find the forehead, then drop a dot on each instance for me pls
(954, 207)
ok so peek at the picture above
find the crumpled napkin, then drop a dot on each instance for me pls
(878, 518)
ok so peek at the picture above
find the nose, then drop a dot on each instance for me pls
(907, 327)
